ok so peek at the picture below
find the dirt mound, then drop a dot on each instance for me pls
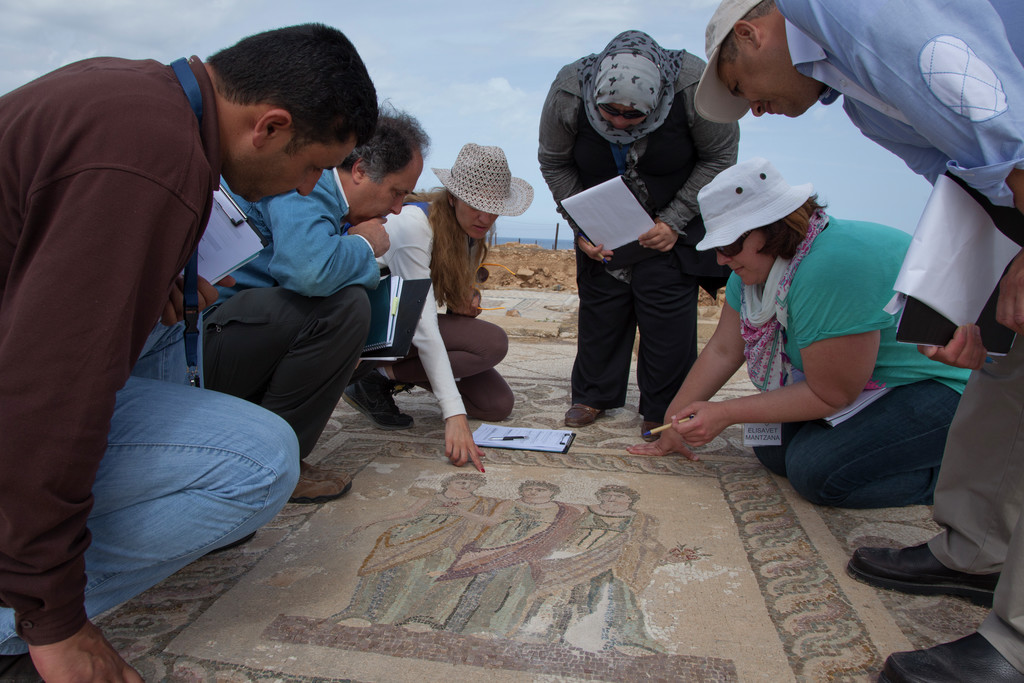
(532, 266)
(535, 267)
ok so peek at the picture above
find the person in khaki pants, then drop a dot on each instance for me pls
(937, 84)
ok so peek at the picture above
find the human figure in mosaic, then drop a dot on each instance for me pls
(586, 591)
(489, 584)
(406, 558)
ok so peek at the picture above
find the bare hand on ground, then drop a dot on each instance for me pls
(458, 443)
(85, 657)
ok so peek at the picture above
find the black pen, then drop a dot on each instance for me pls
(505, 438)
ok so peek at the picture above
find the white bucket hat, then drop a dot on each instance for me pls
(747, 196)
(480, 177)
(713, 100)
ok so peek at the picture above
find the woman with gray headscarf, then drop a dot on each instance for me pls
(629, 111)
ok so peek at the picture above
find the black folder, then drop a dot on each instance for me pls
(410, 306)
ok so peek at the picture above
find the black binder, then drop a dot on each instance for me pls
(410, 306)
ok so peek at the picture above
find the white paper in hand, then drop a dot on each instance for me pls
(609, 214)
(957, 255)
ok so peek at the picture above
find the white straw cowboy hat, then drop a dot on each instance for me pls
(744, 197)
(712, 99)
(480, 177)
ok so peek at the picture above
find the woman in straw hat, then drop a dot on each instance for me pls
(805, 312)
(442, 237)
(629, 112)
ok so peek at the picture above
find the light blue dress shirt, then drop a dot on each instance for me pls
(947, 69)
(308, 251)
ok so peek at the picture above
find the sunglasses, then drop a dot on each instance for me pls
(736, 247)
(628, 114)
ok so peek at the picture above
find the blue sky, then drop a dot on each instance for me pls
(470, 72)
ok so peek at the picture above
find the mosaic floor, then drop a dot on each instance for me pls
(590, 566)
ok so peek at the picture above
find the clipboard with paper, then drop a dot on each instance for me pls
(229, 241)
(523, 438)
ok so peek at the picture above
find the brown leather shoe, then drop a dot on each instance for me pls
(647, 426)
(319, 485)
(580, 415)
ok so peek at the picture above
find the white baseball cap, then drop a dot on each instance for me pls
(712, 99)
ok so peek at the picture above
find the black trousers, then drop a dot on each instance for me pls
(291, 354)
(660, 300)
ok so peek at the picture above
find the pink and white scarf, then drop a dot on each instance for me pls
(763, 315)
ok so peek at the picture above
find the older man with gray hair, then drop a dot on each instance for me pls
(290, 332)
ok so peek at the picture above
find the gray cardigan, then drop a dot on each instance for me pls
(716, 144)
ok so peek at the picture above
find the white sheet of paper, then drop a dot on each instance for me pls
(228, 243)
(956, 257)
(609, 214)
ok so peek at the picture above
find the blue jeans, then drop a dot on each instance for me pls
(887, 455)
(186, 471)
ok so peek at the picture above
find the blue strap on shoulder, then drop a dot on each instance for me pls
(191, 290)
(619, 153)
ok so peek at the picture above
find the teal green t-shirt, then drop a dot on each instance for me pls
(841, 287)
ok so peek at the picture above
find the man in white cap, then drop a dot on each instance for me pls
(934, 82)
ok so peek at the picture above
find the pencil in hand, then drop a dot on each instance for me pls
(658, 430)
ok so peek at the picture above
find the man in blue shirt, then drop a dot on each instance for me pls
(289, 334)
(938, 84)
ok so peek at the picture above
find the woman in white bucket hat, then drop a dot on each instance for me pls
(441, 236)
(805, 312)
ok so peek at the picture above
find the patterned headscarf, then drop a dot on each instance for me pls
(643, 79)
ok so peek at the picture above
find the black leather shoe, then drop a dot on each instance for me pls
(969, 659)
(18, 669)
(915, 570)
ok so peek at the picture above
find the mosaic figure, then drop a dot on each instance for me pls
(406, 558)
(489, 584)
(586, 591)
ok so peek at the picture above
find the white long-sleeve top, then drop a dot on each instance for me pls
(409, 257)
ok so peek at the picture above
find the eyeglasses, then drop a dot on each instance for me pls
(736, 247)
(628, 114)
